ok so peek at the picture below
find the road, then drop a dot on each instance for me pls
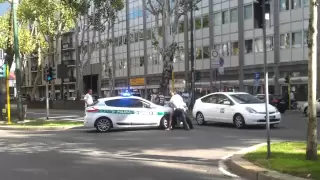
(146, 154)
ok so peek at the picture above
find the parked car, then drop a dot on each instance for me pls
(275, 100)
(305, 108)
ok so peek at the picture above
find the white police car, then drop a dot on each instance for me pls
(125, 112)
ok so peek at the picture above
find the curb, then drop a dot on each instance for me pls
(36, 128)
(238, 165)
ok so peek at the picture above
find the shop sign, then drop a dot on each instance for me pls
(137, 82)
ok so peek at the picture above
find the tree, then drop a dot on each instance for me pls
(311, 151)
(171, 12)
(49, 19)
(103, 13)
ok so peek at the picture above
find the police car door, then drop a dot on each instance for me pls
(143, 114)
(117, 111)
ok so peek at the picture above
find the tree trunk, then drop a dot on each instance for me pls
(39, 66)
(311, 151)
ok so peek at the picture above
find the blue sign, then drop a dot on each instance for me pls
(256, 75)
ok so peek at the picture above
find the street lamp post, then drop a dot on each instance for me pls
(17, 59)
(266, 83)
(192, 55)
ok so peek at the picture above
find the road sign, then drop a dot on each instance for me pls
(256, 75)
(256, 82)
(215, 61)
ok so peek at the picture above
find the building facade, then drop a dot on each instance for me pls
(231, 27)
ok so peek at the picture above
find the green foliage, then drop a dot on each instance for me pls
(26, 43)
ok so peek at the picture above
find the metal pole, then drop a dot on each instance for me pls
(172, 79)
(17, 59)
(266, 75)
(211, 35)
(128, 43)
(8, 94)
(78, 95)
(47, 99)
(192, 56)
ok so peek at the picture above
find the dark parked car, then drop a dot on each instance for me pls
(277, 101)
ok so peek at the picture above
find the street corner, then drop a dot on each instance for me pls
(238, 165)
(30, 128)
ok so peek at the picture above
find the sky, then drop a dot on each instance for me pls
(4, 7)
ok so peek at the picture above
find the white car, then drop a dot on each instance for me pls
(304, 108)
(238, 108)
(125, 112)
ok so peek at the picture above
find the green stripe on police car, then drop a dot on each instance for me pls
(132, 112)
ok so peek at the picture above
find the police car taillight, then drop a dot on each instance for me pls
(92, 109)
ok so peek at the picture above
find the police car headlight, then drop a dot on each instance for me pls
(250, 110)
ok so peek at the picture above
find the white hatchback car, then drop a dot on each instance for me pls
(304, 107)
(125, 112)
(238, 108)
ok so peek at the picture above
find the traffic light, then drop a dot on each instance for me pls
(287, 79)
(198, 75)
(3, 70)
(258, 16)
(50, 74)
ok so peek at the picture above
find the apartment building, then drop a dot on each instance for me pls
(229, 26)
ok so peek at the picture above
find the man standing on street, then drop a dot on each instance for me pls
(88, 98)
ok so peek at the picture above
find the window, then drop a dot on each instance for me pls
(235, 48)
(222, 98)
(297, 39)
(245, 99)
(197, 23)
(269, 43)
(141, 61)
(225, 49)
(225, 17)
(217, 47)
(234, 15)
(284, 41)
(131, 103)
(199, 53)
(258, 45)
(284, 5)
(206, 52)
(217, 19)
(248, 11)
(295, 4)
(305, 37)
(305, 2)
(181, 27)
(210, 99)
(248, 45)
(113, 103)
(205, 21)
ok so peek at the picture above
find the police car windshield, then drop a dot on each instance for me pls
(245, 99)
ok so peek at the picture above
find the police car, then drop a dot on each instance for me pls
(125, 111)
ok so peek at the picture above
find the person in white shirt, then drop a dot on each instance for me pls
(179, 108)
(88, 98)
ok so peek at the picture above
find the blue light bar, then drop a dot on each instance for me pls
(126, 94)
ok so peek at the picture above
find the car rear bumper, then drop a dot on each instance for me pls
(88, 121)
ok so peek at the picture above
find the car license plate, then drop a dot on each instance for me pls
(271, 117)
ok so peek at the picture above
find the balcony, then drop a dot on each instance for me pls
(71, 79)
(69, 62)
(67, 46)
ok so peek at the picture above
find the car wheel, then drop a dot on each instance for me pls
(200, 119)
(305, 112)
(103, 124)
(238, 121)
(164, 123)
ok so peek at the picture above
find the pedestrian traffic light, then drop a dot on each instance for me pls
(3, 70)
(198, 76)
(287, 79)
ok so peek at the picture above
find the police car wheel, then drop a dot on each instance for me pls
(103, 125)
(164, 123)
(200, 119)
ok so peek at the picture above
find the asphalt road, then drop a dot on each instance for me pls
(146, 154)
